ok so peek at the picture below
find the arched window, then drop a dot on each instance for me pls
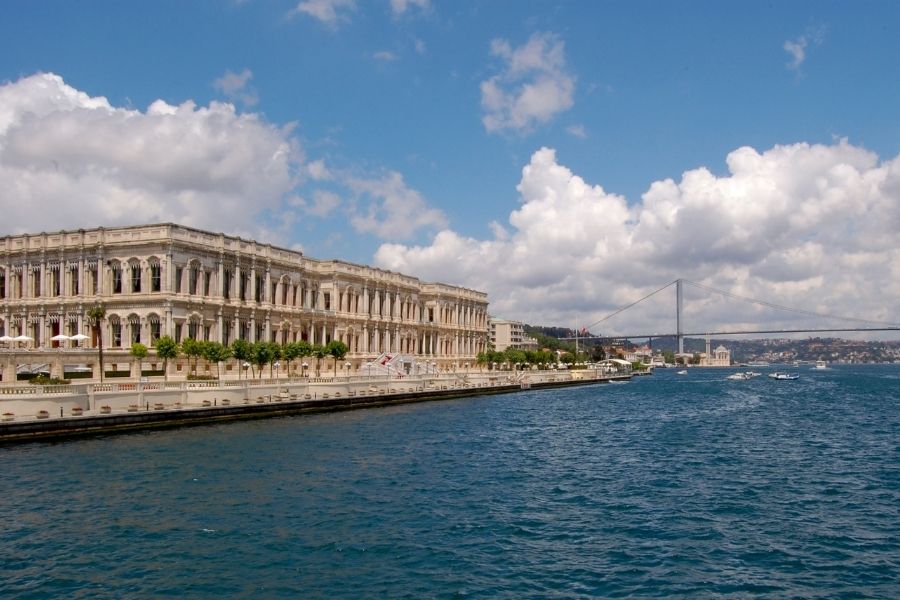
(115, 268)
(155, 274)
(194, 327)
(134, 268)
(134, 326)
(193, 278)
(115, 331)
(155, 327)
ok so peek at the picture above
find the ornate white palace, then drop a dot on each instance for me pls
(167, 279)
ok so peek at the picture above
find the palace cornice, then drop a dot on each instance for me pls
(124, 242)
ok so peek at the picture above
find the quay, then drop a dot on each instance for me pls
(39, 413)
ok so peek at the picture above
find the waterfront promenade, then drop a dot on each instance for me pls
(30, 412)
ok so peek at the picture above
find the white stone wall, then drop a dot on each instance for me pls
(171, 280)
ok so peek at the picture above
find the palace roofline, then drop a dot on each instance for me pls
(5, 248)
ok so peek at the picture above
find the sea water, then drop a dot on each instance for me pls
(669, 485)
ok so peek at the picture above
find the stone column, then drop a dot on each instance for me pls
(220, 281)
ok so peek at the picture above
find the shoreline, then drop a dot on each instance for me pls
(278, 403)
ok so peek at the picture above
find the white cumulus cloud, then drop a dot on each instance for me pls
(329, 12)
(68, 160)
(236, 87)
(399, 7)
(797, 48)
(532, 88)
(391, 209)
(806, 226)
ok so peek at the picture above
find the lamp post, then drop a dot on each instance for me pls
(347, 366)
(304, 366)
(276, 365)
(246, 366)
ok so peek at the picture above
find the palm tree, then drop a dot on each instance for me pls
(96, 315)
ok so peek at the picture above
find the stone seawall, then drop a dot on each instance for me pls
(212, 406)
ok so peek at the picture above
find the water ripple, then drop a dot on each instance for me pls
(666, 486)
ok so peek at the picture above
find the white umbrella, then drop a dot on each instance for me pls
(60, 338)
(23, 338)
(5, 338)
(78, 337)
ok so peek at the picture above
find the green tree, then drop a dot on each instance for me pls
(216, 352)
(481, 359)
(263, 353)
(166, 349)
(139, 352)
(319, 352)
(513, 356)
(338, 350)
(96, 315)
(275, 351)
(243, 352)
(669, 357)
(293, 351)
(193, 350)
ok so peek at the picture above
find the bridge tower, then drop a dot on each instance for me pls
(679, 299)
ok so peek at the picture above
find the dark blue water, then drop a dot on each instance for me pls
(665, 486)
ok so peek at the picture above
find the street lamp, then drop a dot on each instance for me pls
(347, 366)
(246, 366)
(305, 366)
(276, 365)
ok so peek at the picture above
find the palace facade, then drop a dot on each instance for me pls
(167, 279)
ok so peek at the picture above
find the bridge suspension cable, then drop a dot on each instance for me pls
(624, 308)
(784, 308)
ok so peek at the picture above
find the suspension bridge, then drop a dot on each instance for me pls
(848, 324)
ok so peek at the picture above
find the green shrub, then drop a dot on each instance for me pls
(44, 380)
(192, 377)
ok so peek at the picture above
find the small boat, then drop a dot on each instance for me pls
(821, 364)
(743, 375)
(784, 376)
(682, 372)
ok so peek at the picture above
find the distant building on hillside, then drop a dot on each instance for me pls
(510, 334)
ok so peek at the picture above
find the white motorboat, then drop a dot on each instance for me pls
(682, 372)
(821, 364)
(743, 375)
(784, 376)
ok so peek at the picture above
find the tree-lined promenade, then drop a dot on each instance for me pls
(254, 356)
(516, 358)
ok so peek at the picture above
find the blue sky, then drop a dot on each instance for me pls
(400, 133)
